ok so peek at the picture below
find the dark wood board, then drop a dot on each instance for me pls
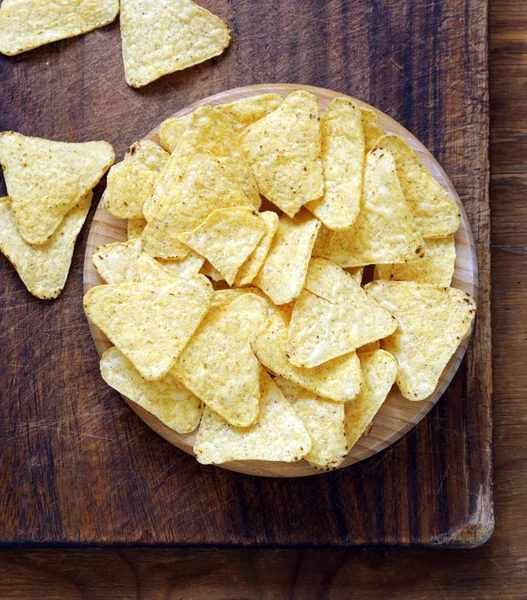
(77, 467)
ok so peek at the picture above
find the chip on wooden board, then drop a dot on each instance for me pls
(284, 270)
(242, 113)
(150, 324)
(28, 24)
(277, 435)
(46, 179)
(44, 268)
(371, 127)
(432, 323)
(134, 228)
(343, 164)
(148, 155)
(324, 421)
(385, 231)
(284, 151)
(435, 212)
(150, 271)
(379, 369)
(167, 398)
(163, 37)
(117, 262)
(218, 364)
(226, 238)
(436, 267)
(183, 267)
(339, 379)
(128, 186)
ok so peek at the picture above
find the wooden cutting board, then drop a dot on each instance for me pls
(77, 466)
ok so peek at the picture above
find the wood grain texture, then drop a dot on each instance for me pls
(77, 466)
(397, 415)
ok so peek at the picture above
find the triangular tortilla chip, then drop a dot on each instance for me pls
(128, 186)
(162, 37)
(284, 151)
(324, 421)
(218, 364)
(26, 24)
(435, 212)
(148, 155)
(283, 272)
(339, 379)
(432, 323)
(437, 266)
(242, 113)
(385, 231)
(43, 269)
(150, 324)
(371, 127)
(379, 369)
(343, 163)
(322, 329)
(135, 228)
(278, 435)
(46, 179)
(226, 238)
(117, 262)
(167, 398)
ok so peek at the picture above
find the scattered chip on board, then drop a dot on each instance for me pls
(148, 155)
(371, 127)
(128, 186)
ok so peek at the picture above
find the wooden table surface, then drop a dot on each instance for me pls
(496, 568)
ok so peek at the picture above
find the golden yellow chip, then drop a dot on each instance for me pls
(436, 267)
(432, 322)
(167, 398)
(226, 238)
(117, 262)
(162, 37)
(371, 127)
(27, 24)
(242, 113)
(212, 273)
(278, 435)
(218, 364)
(183, 267)
(324, 421)
(150, 271)
(135, 228)
(248, 271)
(371, 347)
(343, 163)
(284, 150)
(385, 231)
(150, 324)
(339, 379)
(46, 179)
(44, 268)
(127, 188)
(435, 212)
(322, 329)
(379, 369)
(148, 155)
(284, 270)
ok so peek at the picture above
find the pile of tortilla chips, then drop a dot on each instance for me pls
(49, 186)
(240, 306)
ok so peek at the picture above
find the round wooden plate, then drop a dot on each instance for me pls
(397, 415)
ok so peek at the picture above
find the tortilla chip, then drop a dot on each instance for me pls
(284, 150)
(218, 364)
(147, 155)
(343, 163)
(46, 179)
(278, 435)
(212, 273)
(385, 231)
(379, 369)
(117, 262)
(222, 298)
(432, 322)
(150, 271)
(242, 113)
(323, 328)
(27, 24)
(183, 267)
(356, 273)
(339, 379)
(284, 270)
(43, 269)
(127, 188)
(324, 421)
(167, 398)
(435, 212)
(135, 228)
(150, 324)
(163, 37)
(371, 127)
(203, 187)
(436, 267)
